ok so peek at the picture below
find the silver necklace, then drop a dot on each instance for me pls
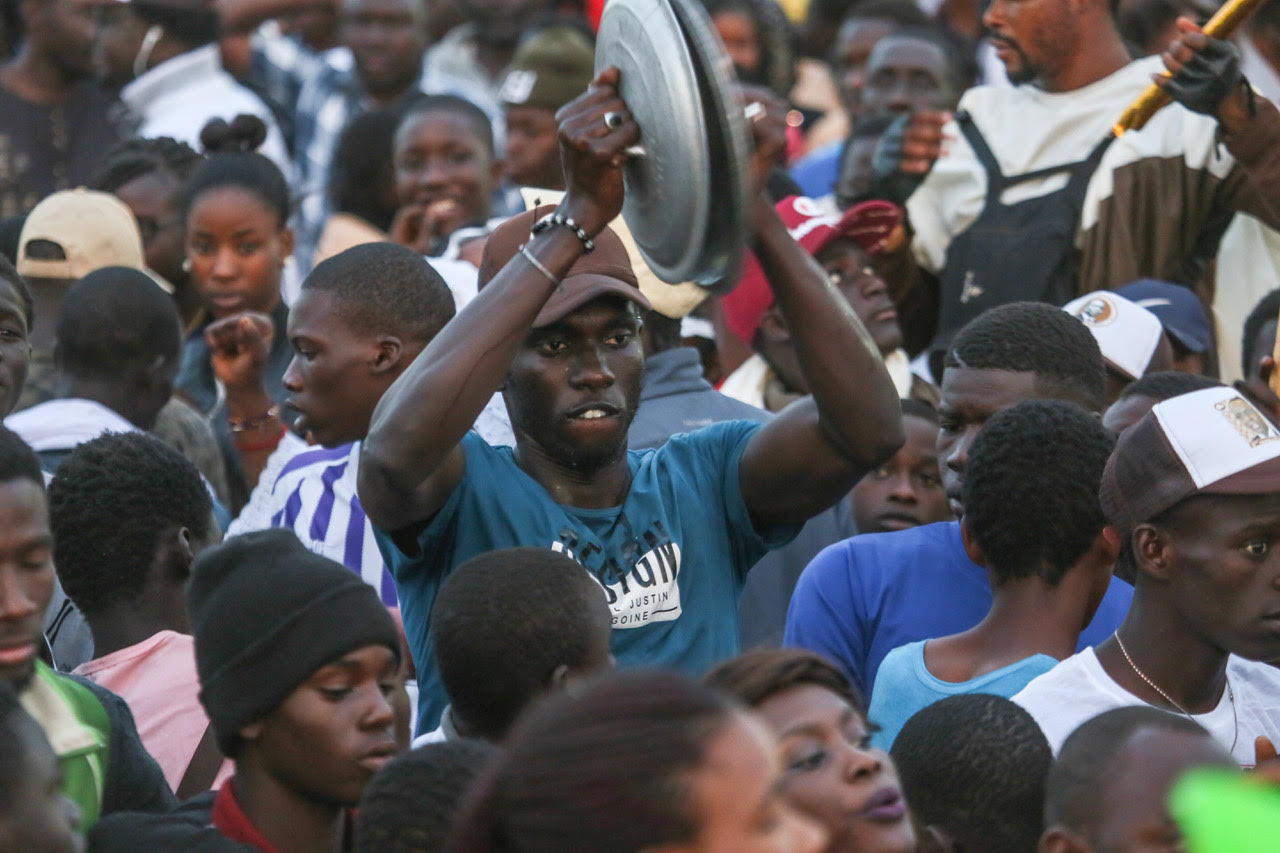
(1231, 696)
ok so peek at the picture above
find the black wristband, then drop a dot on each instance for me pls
(567, 221)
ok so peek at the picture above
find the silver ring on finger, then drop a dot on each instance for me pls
(612, 120)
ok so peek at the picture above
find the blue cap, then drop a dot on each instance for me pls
(1179, 310)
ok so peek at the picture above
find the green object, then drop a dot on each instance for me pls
(1224, 812)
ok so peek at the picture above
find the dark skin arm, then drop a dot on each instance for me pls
(808, 457)
(412, 460)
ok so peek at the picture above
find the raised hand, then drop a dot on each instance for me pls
(906, 153)
(596, 128)
(238, 349)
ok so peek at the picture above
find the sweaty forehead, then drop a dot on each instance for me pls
(978, 393)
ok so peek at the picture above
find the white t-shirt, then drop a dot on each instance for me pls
(1078, 689)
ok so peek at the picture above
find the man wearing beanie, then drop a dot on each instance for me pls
(669, 533)
(549, 71)
(297, 658)
(1194, 490)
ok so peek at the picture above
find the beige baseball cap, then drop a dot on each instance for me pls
(669, 300)
(93, 229)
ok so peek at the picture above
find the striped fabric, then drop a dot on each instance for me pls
(314, 495)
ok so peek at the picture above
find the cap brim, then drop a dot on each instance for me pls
(577, 290)
(1261, 479)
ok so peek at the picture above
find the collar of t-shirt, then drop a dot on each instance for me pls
(229, 819)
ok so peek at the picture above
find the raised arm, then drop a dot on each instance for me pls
(809, 456)
(411, 460)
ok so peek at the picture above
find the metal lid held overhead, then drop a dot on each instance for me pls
(687, 185)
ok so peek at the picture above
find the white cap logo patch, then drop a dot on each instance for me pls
(1098, 311)
(518, 86)
(1247, 420)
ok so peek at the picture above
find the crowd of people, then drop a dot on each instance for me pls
(363, 489)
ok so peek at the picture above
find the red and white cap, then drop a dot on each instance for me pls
(1127, 333)
(1210, 441)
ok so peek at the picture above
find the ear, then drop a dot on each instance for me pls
(253, 731)
(1151, 551)
(387, 355)
(971, 547)
(184, 546)
(1266, 367)
(286, 241)
(559, 678)
(1059, 839)
(774, 327)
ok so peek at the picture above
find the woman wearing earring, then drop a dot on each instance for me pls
(236, 211)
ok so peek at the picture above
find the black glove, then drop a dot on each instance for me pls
(888, 181)
(1210, 76)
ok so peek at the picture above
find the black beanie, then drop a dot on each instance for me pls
(266, 613)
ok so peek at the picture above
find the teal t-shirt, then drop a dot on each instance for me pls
(904, 685)
(671, 558)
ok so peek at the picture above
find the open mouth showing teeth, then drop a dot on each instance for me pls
(592, 414)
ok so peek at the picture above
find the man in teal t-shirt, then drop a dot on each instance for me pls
(668, 533)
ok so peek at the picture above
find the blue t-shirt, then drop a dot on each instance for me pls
(904, 685)
(863, 597)
(671, 559)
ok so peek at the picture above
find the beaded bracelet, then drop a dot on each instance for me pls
(567, 221)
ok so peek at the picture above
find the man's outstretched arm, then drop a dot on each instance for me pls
(412, 459)
(809, 457)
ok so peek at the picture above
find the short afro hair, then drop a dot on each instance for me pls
(110, 503)
(1031, 489)
(515, 615)
(9, 274)
(974, 766)
(410, 805)
(114, 321)
(423, 105)
(17, 460)
(1074, 795)
(1266, 311)
(757, 676)
(1166, 385)
(383, 288)
(1035, 337)
(131, 159)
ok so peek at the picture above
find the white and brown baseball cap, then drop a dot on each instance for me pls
(92, 229)
(1127, 333)
(1212, 441)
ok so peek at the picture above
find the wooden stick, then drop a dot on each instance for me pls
(1222, 25)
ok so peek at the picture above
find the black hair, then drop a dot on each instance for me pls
(234, 162)
(622, 750)
(17, 460)
(1031, 489)
(1266, 311)
(194, 27)
(913, 408)
(9, 274)
(11, 235)
(903, 13)
(424, 104)
(1038, 338)
(515, 615)
(1074, 796)
(664, 331)
(959, 77)
(132, 159)
(1166, 385)
(385, 288)
(410, 805)
(13, 759)
(110, 504)
(774, 38)
(113, 322)
(974, 766)
(361, 178)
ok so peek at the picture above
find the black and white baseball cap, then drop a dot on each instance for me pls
(1127, 333)
(1211, 441)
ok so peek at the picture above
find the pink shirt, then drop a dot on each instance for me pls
(157, 678)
